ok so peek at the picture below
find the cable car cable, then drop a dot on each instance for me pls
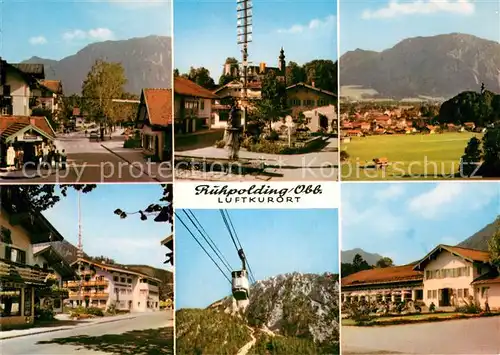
(229, 229)
(201, 246)
(226, 263)
(241, 247)
(234, 236)
(228, 267)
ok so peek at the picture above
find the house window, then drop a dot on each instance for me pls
(466, 292)
(115, 278)
(122, 279)
(202, 104)
(429, 294)
(308, 102)
(129, 281)
(10, 302)
(15, 255)
(460, 293)
(434, 294)
(484, 292)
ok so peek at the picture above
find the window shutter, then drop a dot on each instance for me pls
(8, 251)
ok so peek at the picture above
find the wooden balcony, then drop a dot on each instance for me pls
(16, 272)
(89, 294)
(75, 284)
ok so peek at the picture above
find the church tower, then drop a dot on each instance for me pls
(282, 62)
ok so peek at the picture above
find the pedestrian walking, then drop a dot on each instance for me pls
(63, 159)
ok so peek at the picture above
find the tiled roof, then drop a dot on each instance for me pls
(53, 85)
(37, 70)
(159, 105)
(383, 275)
(492, 277)
(116, 267)
(471, 255)
(312, 88)
(7, 124)
(186, 87)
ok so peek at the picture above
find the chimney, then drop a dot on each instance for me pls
(262, 68)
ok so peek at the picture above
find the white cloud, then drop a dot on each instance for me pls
(450, 197)
(98, 34)
(38, 40)
(390, 193)
(421, 7)
(139, 4)
(313, 25)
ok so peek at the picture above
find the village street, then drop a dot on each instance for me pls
(128, 334)
(317, 166)
(105, 161)
(466, 336)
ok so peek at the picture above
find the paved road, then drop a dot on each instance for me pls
(317, 166)
(94, 162)
(94, 339)
(468, 336)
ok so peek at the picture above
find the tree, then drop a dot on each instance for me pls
(102, 259)
(384, 262)
(39, 197)
(323, 73)
(201, 76)
(295, 74)
(162, 211)
(272, 105)
(471, 157)
(68, 104)
(491, 152)
(176, 72)
(359, 263)
(104, 83)
(494, 246)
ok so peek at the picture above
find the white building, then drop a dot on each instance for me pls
(109, 285)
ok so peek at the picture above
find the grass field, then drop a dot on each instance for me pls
(431, 156)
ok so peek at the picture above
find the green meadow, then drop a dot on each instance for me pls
(419, 156)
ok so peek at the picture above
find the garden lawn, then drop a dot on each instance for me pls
(419, 156)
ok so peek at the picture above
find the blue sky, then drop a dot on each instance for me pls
(56, 29)
(275, 242)
(127, 241)
(404, 221)
(378, 25)
(205, 32)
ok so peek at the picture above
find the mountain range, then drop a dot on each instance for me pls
(478, 241)
(147, 62)
(439, 67)
(348, 255)
(287, 314)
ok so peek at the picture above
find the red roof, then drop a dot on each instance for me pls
(76, 111)
(39, 122)
(487, 279)
(159, 106)
(383, 275)
(53, 85)
(186, 87)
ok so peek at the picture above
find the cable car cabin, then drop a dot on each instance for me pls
(240, 285)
